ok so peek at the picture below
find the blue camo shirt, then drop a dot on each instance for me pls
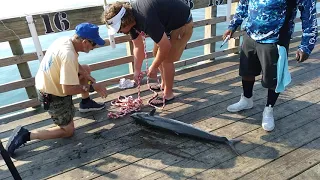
(309, 24)
(308, 18)
(265, 18)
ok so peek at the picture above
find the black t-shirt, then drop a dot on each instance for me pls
(154, 17)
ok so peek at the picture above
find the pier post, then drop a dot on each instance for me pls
(16, 48)
(210, 30)
(129, 47)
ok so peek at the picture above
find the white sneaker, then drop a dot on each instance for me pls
(268, 119)
(244, 103)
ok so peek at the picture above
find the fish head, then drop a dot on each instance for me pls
(143, 117)
(139, 115)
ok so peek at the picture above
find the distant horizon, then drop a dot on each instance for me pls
(19, 8)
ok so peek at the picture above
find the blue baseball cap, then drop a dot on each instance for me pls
(89, 31)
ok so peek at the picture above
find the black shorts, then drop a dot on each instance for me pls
(256, 58)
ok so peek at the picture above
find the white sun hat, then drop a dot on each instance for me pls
(114, 23)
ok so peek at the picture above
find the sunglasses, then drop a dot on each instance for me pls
(92, 43)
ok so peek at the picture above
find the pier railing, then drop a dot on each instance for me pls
(14, 29)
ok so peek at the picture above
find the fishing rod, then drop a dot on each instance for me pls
(5, 155)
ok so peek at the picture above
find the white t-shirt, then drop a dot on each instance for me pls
(59, 66)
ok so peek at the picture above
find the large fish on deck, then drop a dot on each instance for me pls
(180, 128)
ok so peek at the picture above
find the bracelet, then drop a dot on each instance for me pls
(85, 88)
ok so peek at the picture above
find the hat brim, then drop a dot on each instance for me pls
(114, 28)
(99, 41)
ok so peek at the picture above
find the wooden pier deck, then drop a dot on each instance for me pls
(105, 148)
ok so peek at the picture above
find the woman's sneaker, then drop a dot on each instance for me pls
(244, 103)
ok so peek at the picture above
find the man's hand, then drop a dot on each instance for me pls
(301, 56)
(152, 73)
(100, 89)
(227, 33)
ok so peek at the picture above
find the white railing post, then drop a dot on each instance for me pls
(35, 37)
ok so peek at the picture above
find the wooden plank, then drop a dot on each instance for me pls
(17, 84)
(18, 106)
(111, 63)
(290, 164)
(204, 41)
(312, 173)
(213, 20)
(18, 59)
(205, 3)
(204, 57)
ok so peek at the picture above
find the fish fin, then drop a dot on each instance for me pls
(152, 112)
(231, 144)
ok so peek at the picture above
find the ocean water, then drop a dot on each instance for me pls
(11, 73)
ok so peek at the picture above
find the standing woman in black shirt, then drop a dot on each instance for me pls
(168, 23)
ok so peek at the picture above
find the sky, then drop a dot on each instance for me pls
(17, 8)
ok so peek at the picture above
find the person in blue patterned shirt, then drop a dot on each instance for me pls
(269, 23)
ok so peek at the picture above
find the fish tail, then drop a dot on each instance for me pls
(231, 143)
